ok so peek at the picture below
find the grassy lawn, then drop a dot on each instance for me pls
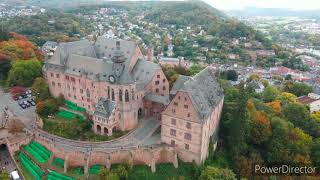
(76, 130)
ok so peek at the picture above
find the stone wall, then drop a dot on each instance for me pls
(137, 155)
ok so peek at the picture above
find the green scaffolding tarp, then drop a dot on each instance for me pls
(57, 176)
(58, 162)
(95, 169)
(74, 106)
(69, 115)
(34, 170)
(39, 152)
(78, 171)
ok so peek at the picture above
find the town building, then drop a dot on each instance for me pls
(312, 100)
(119, 87)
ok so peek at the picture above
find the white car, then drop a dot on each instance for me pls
(15, 175)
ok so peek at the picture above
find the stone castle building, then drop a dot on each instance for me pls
(119, 86)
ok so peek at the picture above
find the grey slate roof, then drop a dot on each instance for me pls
(204, 91)
(104, 108)
(157, 98)
(143, 72)
(95, 61)
(179, 84)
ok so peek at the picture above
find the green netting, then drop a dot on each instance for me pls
(39, 152)
(41, 148)
(34, 170)
(95, 169)
(78, 171)
(69, 115)
(35, 154)
(57, 176)
(58, 162)
(74, 106)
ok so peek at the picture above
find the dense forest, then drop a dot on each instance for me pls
(52, 25)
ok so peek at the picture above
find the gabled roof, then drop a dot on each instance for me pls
(143, 72)
(104, 108)
(179, 84)
(204, 91)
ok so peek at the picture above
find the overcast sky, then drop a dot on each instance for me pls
(240, 4)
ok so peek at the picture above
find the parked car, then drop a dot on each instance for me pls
(33, 103)
(23, 106)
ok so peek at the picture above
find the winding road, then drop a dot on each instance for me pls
(145, 134)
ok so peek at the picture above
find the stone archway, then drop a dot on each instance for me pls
(140, 113)
(98, 129)
(105, 130)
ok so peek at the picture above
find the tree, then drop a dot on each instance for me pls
(47, 107)
(278, 146)
(231, 75)
(315, 153)
(298, 89)
(23, 73)
(275, 106)
(40, 89)
(195, 69)
(261, 128)
(235, 121)
(213, 173)
(270, 93)
(253, 77)
(4, 175)
(287, 98)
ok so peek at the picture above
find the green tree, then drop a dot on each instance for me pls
(4, 175)
(287, 98)
(195, 69)
(235, 126)
(23, 73)
(40, 89)
(298, 89)
(213, 173)
(315, 153)
(270, 93)
(278, 147)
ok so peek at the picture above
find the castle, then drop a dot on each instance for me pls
(119, 87)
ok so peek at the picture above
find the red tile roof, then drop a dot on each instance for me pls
(306, 100)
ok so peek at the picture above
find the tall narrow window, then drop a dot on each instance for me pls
(120, 95)
(132, 92)
(108, 92)
(127, 95)
(112, 95)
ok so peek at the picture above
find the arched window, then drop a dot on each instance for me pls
(127, 95)
(112, 95)
(120, 95)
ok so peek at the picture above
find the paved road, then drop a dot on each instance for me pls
(141, 136)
